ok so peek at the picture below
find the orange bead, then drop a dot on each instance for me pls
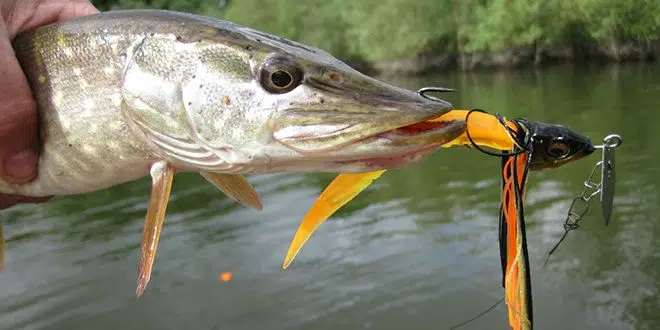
(226, 276)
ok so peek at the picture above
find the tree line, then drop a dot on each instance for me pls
(469, 32)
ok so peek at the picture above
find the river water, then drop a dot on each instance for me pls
(417, 250)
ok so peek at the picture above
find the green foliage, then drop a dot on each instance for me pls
(391, 29)
(315, 22)
(376, 30)
(504, 24)
(621, 20)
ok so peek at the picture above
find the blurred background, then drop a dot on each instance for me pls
(407, 36)
(418, 249)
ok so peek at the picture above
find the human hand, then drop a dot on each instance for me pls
(18, 115)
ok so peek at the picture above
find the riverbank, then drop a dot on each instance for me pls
(418, 36)
(513, 59)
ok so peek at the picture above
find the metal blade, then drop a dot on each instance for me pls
(608, 176)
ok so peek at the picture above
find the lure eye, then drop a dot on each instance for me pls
(558, 149)
(280, 75)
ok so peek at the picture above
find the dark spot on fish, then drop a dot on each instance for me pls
(258, 40)
(70, 145)
(334, 76)
(322, 101)
(189, 103)
(248, 47)
(178, 38)
(152, 34)
(194, 76)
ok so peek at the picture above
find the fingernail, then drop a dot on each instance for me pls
(21, 166)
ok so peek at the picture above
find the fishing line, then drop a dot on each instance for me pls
(574, 217)
(523, 141)
(519, 138)
(593, 188)
(456, 326)
(513, 187)
(568, 226)
(524, 145)
(580, 205)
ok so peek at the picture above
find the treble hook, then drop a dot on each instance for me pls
(424, 90)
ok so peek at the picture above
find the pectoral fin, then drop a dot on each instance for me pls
(236, 187)
(162, 175)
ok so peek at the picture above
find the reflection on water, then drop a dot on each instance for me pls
(418, 249)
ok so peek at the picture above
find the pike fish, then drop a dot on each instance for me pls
(127, 94)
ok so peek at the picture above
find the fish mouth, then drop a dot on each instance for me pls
(362, 130)
(315, 131)
(406, 144)
(428, 130)
(383, 149)
(392, 161)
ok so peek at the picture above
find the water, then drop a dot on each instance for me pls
(417, 250)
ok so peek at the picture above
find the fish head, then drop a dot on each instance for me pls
(325, 111)
(557, 145)
(217, 96)
(324, 115)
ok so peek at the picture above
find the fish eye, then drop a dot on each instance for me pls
(280, 75)
(558, 149)
(281, 78)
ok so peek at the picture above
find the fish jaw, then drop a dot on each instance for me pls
(358, 141)
(211, 106)
(403, 146)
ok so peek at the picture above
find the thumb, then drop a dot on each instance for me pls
(18, 118)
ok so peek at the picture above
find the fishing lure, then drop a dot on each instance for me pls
(513, 242)
(525, 146)
(549, 146)
(605, 188)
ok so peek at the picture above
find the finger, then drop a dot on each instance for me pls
(18, 119)
(25, 15)
(75, 9)
(11, 200)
